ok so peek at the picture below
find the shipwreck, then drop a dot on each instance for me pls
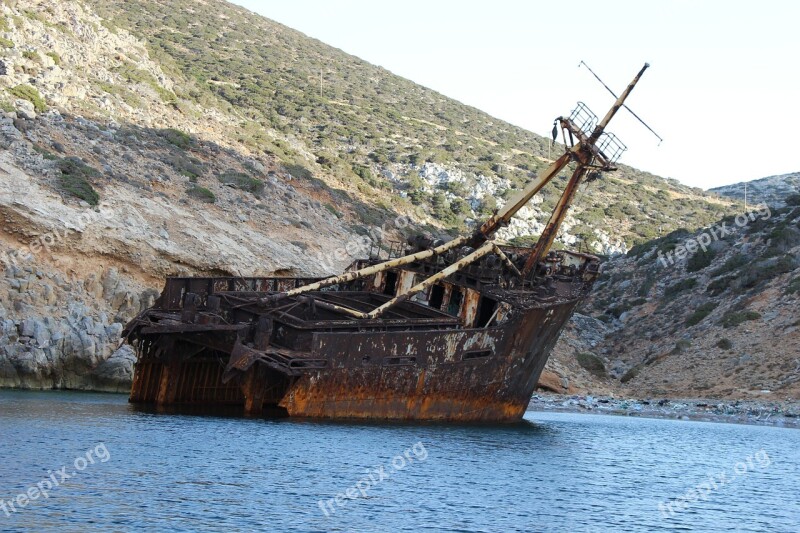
(448, 331)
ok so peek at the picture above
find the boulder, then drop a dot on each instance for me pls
(116, 373)
(25, 109)
(552, 382)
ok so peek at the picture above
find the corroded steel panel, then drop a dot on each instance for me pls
(424, 375)
(436, 370)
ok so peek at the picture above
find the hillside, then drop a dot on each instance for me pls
(721, 321)
(383, 139)
(772, 190)
(381, 134)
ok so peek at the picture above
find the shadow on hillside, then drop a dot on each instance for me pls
(94, 152)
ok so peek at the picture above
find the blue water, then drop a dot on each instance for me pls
(554, 472)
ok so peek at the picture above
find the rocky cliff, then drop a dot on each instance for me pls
(772, 190)
(102, 195)
(75, 272)
(715, 313)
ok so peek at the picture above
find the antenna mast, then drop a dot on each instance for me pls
(599, 150)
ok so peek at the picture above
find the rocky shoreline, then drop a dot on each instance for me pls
(758, 412)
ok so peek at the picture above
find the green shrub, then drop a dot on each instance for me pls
(793, 199)
(74, 179)
(782, 239)
(54, 56)
(720, 285)
(524, 241)
(177, 138)
(617, 310)
(794, 286)
(631, 373)
(45, 153)
(240, 180)
(766, 271)
(681, 346)
(679, 287)
(487, 207)
(4, 24)
(664, 244)
(26, 92)
(700, 260)
(734, 263)
(132, 74)
(593, 364)
(184, 165)
(298, 171)
(725, 344)
(6, 43)
(31, 55)
(417, 196)
(8, 107)
(700, 313)
(128, 96)
(364, 173)
(647, 284)
(333, 211)
(76, 167)
(459, 206)
(202, 194)
(731, 319)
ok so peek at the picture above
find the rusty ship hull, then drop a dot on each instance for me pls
(448, 331)
(447, 386)
(422, 368)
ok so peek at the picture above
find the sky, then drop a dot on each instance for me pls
(722, 90)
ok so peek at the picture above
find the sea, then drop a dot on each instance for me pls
(83, 462)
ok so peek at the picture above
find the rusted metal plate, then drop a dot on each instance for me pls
(370, 379)
(381, 369)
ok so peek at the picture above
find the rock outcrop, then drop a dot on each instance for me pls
(707, 314)
(772, 190)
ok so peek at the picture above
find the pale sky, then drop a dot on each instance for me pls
(722, 90)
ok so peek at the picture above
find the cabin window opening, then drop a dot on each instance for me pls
(476, 354)
(486, 312)
(437, 297)
(400, 361)
(391, 283)
(454, 306)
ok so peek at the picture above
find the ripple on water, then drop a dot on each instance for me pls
(554, 472)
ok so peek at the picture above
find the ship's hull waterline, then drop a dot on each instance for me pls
(484, 374)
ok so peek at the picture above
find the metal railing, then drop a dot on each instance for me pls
(610, 146)
(583, 118)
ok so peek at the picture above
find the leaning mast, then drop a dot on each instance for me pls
(589, 147)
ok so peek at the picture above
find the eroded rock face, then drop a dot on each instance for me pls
(55, 334)
(563, 373)
(72, 274)
(116, 372)
(720, 323)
